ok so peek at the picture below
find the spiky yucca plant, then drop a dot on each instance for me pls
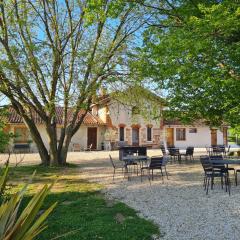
(26, 225)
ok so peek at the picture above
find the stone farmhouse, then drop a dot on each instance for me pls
(111, 124)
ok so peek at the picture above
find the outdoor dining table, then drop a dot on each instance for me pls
(130, 159)
(141, 159)
(225, 161)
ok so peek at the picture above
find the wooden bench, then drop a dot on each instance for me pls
(21, 148)
(76, 147)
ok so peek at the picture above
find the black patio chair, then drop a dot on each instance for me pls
(174, 153)
(210, 173)
(189, 153)
(236, 179)
(156, 163)
(117, 167)
(218, 150)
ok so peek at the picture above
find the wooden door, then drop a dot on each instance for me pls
(170, 136)
(135, 136)
(92, 137)
(213, 137)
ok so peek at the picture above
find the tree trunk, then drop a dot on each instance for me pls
(62, 153)
(53, 144)
(36, 137)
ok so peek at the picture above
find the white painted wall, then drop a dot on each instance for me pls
(81, 137)
(200, 139)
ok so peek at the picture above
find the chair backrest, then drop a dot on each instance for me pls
(217, 157)
(215, 149)
(171, 150)
(206, 163)
(111, 160)
(189, 150)
(221, 148)
(176, 150)
(156, 162)
(76, 147)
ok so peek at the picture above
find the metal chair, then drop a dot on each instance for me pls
(189, 153)
(210, 173)
(76, 147)
(174, 152)
(89, 148)
(156, 163)
(115, 167)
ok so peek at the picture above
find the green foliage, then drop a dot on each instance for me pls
(4, 136)
(3, 182)
(195, 57)
(60, 53)
(27, 224)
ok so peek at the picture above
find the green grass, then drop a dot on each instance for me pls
(82, 211)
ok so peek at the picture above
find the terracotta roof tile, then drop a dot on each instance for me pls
(88, 120)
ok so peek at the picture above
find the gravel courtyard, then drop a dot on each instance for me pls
(179, 205)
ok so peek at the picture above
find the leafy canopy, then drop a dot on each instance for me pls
(193, 52)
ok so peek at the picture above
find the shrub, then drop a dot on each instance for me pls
(4, 136)
(27, 224)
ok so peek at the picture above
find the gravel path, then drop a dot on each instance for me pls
(179, 205)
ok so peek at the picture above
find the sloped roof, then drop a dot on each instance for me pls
(89, 119)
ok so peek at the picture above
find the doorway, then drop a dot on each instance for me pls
(135, 136)
(170, 137)
(213, 137)
(92, 137)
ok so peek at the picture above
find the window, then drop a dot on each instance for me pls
(192, 130)
(121, 134)
(149, 133)
(180, 134)
(21, 135)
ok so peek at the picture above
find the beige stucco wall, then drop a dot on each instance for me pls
(122, 115)
(80, 137)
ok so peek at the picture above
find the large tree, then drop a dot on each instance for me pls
(60, 52)
(192, 51)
